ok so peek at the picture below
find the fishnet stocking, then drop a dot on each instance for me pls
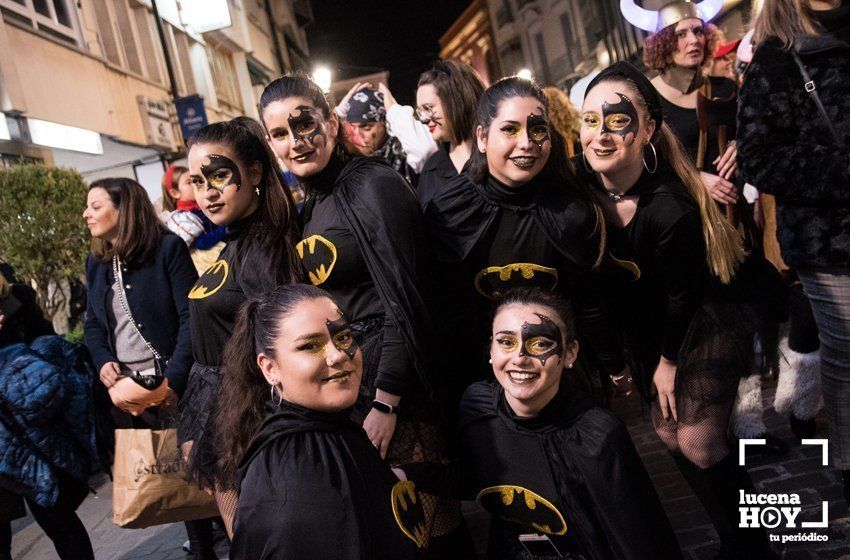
(227, 501)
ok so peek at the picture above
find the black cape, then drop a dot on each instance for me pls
(313, 486)
(577, 464)
(376, 202)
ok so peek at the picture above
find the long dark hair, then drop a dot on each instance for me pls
(558, 169)
(459, 89)
(244, 392)
(275, 226)
(139, 228)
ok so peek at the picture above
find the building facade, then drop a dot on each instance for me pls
(561, 41)
(84, 83)
(470, 39)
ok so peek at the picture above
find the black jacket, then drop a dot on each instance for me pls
(28, 322)
(571, 472)
(313, 486)
(785, 147)
(156, 293)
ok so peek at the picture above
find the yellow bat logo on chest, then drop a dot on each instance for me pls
(495, 281)
(210, 281)
(318, 256)
(520, 505)
(408, 512)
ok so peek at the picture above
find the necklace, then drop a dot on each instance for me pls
(615, 195)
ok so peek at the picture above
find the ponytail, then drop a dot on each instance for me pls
(723, 244)
(243, 394)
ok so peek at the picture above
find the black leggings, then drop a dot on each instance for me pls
(59, 522)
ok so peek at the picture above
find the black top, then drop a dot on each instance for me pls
(363, 243)
(571, 473)
(661, 254)
(487, 238)
(27, 322)
(314, 486)
(437, 171)
(217, 295)
(684, 123)
(836, 22)
(156, 289)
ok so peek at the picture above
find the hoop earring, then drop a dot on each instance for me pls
(279, 396)
(654, 156)
(585, 164)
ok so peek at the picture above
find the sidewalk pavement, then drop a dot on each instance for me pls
(799, 471)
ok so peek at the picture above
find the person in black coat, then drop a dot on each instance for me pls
(312, 484)
(363, 242)
(559, 474)
(791, 148)
(157, 275)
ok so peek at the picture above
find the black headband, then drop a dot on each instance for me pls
(644, 86)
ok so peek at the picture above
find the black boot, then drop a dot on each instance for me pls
(717, 488)
(200, 539)
(802, 429)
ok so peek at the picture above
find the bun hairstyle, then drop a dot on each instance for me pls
(275, 227)
(241, 407)
(459, 89)
(558, 169)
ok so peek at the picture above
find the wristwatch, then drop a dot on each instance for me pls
(381, 406)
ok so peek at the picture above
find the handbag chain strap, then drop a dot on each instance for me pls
(812, 90)
(116, 269)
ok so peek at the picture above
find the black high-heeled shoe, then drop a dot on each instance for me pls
(803, 429)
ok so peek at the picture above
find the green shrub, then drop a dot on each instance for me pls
(42, 231)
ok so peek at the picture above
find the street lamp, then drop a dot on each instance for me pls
(524, 73)
(322, 77)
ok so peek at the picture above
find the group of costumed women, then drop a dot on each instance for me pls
(364, 365)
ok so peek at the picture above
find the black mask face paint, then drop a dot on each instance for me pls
(537, 128)
(614, 116)
(307, 125)
(341, 337)
(220, 173)
(541, 340)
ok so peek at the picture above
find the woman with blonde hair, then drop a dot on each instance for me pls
(793, 118)
(680, 290)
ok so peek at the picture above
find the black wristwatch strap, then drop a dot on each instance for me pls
(381, 406)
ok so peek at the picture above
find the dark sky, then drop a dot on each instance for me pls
(355, 37)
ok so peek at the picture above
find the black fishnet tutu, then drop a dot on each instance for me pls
(418, 435)
(195, 425)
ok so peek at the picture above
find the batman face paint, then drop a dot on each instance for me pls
(307, 125)
(220, 172)
(541, 340)
(537, 129)
(340, 333)
(620, 118)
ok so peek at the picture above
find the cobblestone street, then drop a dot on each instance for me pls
(799, 471)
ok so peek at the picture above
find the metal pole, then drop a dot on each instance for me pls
(168, 65)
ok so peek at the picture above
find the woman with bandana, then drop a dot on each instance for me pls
(519, 218)
(372, 134)
(680, 48)
(312, 484)
(446, 99)
(363, 243)
(237, 186)
(559, 474)
(683, 302)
